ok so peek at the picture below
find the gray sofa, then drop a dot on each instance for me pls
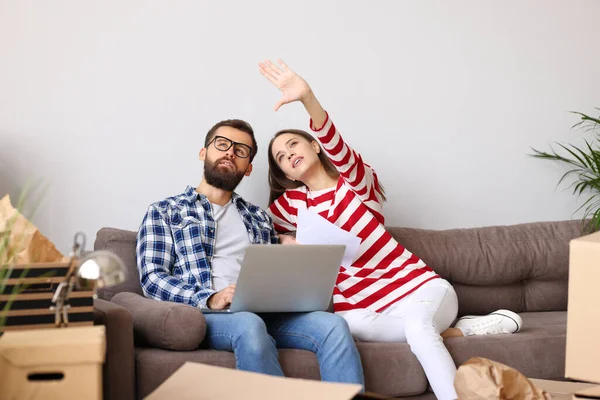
(523, 268)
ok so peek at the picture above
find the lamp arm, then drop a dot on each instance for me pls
(59, 305)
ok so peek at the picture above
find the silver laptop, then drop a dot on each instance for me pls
(286, 278)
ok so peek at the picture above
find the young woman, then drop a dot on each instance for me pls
(387, 294)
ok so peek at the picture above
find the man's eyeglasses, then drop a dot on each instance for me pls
(241, 150)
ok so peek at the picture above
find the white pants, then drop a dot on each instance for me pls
(418, 319)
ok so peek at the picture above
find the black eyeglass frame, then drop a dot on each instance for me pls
(231, 143)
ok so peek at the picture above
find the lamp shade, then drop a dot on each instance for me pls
(99, 269)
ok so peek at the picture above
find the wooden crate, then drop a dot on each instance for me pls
(30, 308)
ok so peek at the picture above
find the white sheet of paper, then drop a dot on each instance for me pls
(314, 229)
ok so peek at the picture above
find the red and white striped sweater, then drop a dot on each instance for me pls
(383, 271)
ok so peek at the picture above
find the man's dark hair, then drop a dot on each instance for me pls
(236, 124)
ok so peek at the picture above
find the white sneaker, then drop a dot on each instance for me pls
(501, 321)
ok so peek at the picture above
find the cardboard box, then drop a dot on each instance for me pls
(583, 317)
(228, 384)
(59, 363)
(30, 308)
(590, 393)
(561, 390)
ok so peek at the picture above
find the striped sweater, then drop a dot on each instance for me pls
(383, 271)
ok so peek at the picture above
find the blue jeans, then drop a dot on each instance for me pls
(254, 340)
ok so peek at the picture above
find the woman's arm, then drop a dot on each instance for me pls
(284, 215)
(356, 173)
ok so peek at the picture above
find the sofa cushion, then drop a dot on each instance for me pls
(163, 324)
(519, 267)
(122, 243)
(391, 369)
(537, 351)
(153, 366)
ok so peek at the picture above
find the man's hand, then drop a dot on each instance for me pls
(221, 300)
(287, 239)
(293, 87)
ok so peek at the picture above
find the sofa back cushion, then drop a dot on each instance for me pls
(519, 267)
(122, 243)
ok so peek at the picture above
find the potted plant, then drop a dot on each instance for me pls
(584, 165)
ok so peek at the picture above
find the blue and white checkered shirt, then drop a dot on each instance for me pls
(176, 242)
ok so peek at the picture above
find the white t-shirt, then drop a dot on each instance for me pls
(230, 245)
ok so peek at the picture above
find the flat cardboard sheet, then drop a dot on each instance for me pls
(589, 393)
(228, 384)
(561, 390)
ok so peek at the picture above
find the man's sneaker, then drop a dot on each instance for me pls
(501, 321)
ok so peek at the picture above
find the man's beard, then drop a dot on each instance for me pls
(221, 177)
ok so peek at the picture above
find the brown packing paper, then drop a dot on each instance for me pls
(25, 244)
(480, 378)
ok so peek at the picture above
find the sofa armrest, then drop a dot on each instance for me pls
(164, 324)
(119, 366)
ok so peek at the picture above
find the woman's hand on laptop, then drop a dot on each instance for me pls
(287, 239)
(222, 299)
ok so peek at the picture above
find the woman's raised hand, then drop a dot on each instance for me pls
(292, 86)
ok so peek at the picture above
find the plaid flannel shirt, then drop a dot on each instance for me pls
(176, 242)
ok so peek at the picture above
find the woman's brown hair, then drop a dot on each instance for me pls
(278, 182)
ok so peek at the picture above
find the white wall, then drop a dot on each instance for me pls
(108, 102)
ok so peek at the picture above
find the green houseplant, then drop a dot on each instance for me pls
(584, 166)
